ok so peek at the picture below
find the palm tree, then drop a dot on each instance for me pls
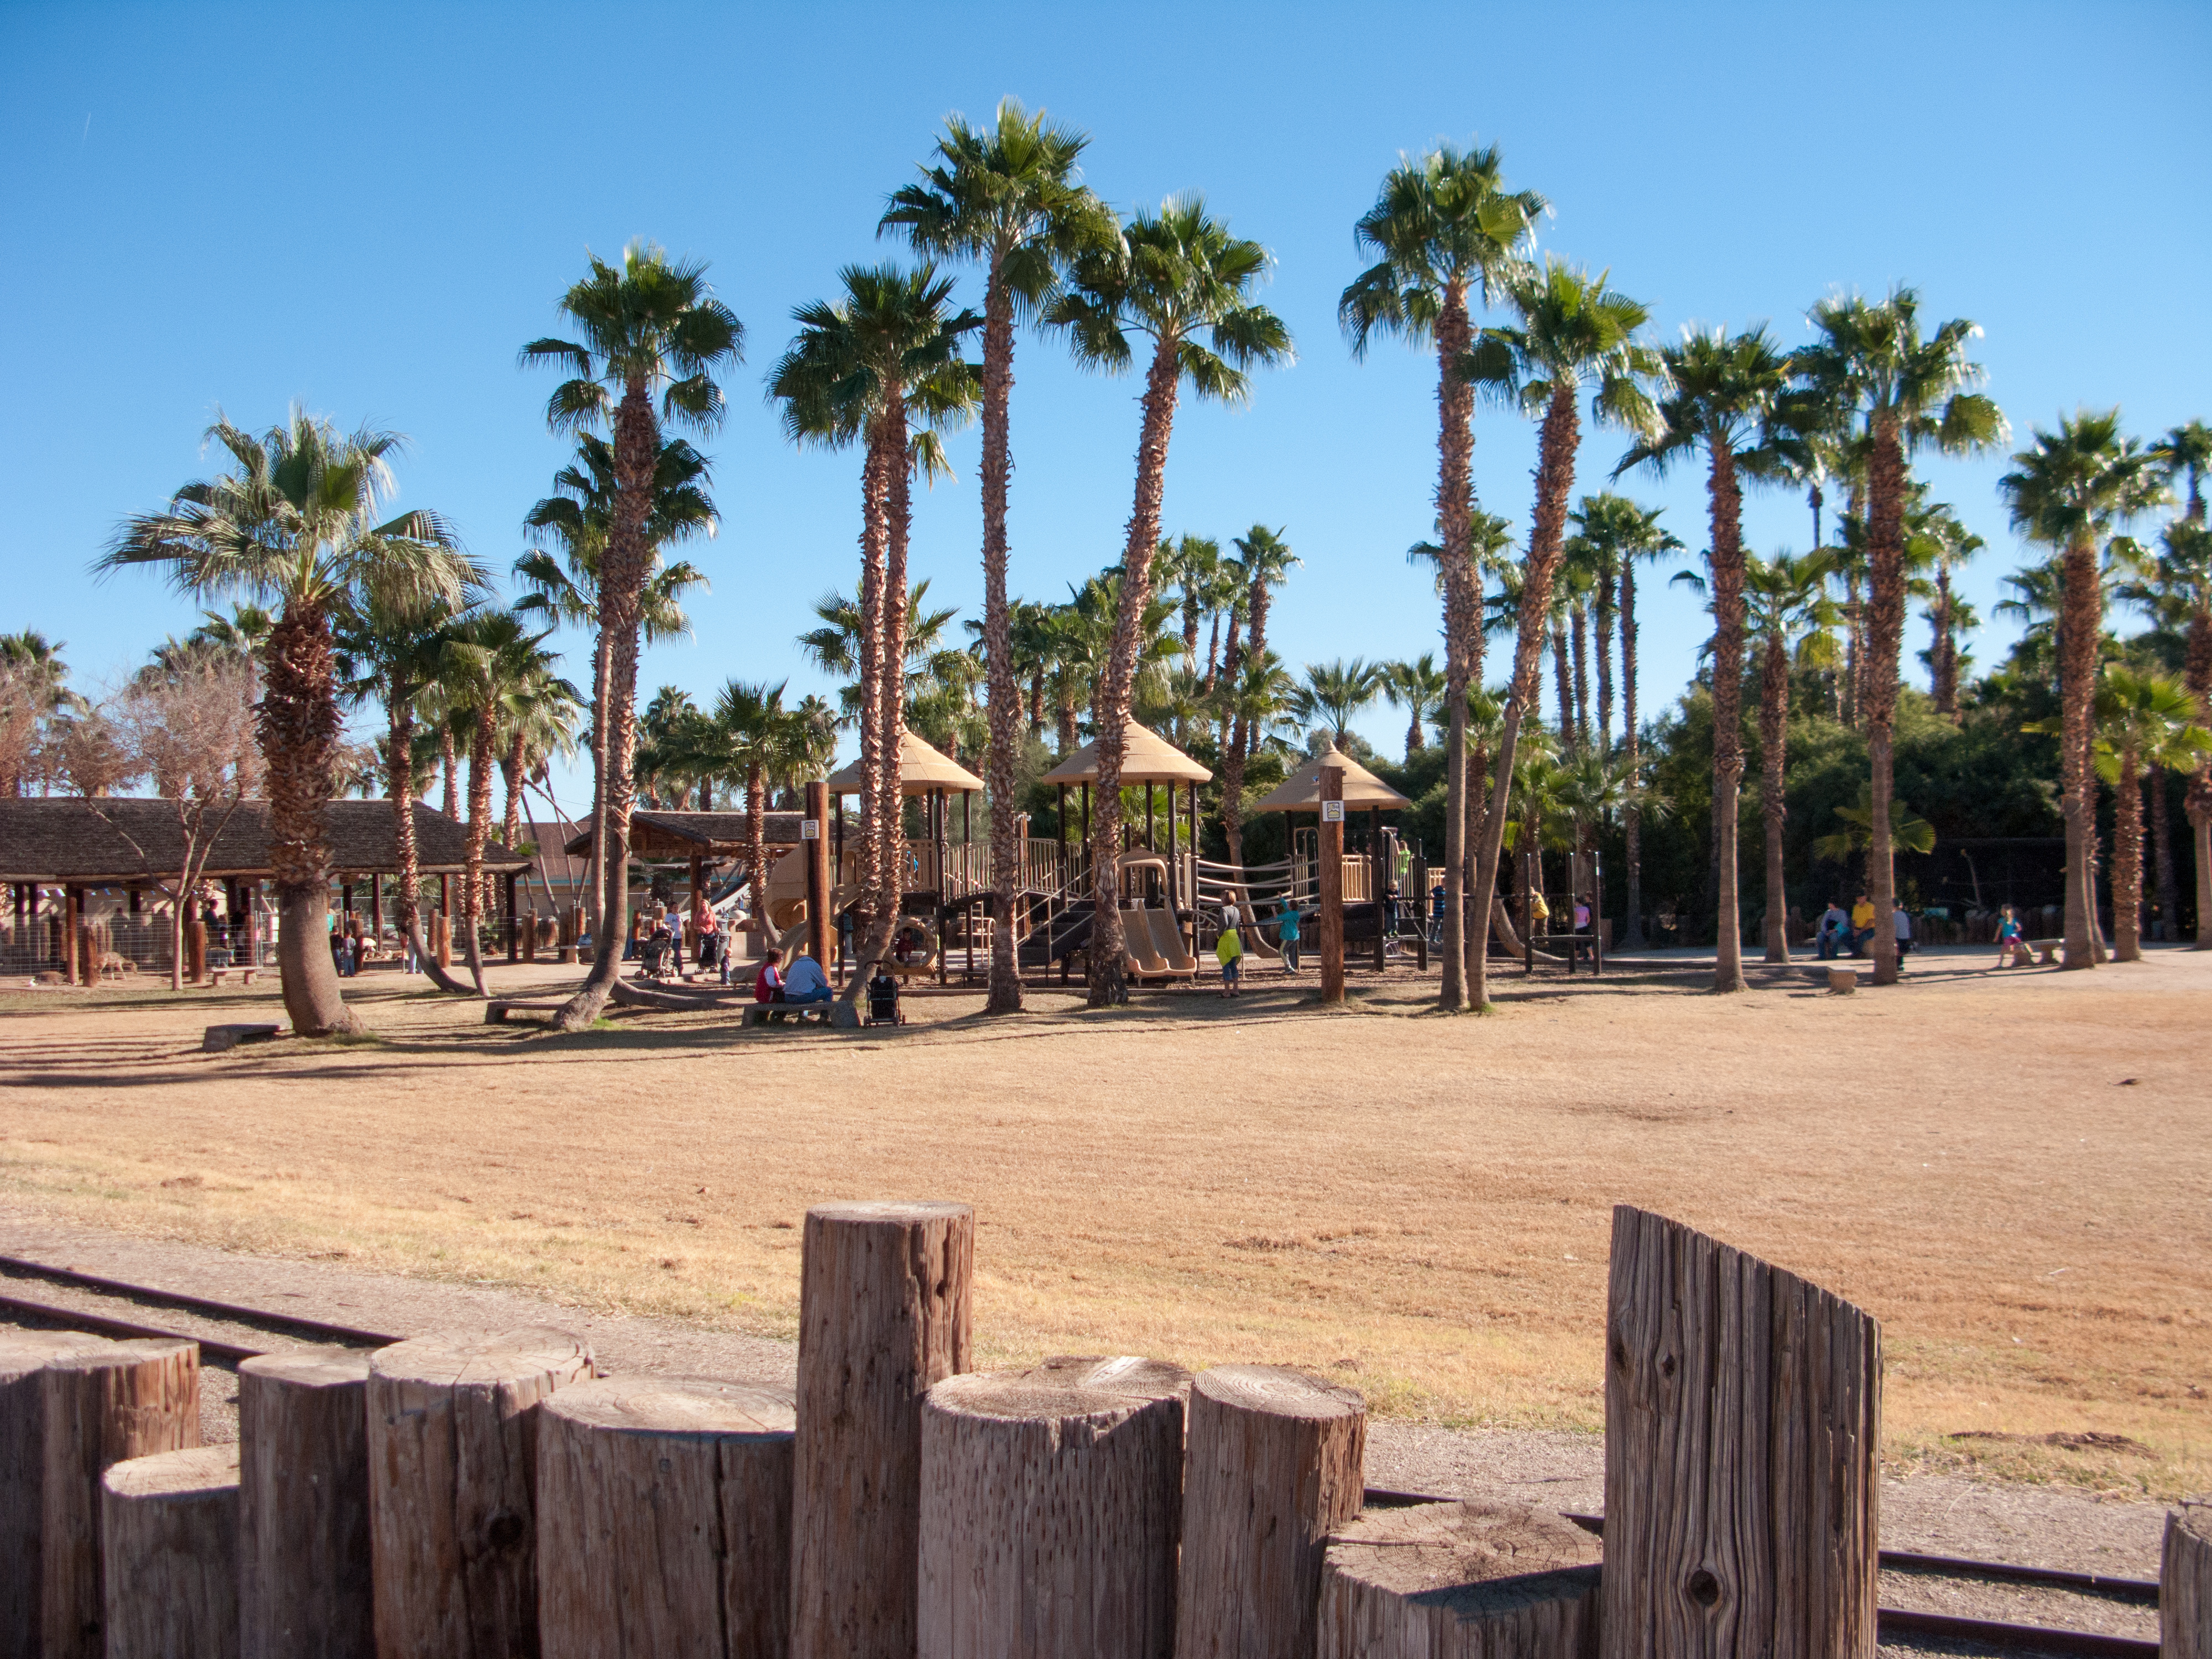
(1416, 687)
(293, 523)
(755, 736)
(835, 647)
(1176, 275)
(1573, 333)
(2182, 577)
(1256, 699)
(1443, 230)
(1906, 830)
(1637, 535)
(1791, 617)
(538, 722)
(1727, 391)
(2185, 452)
(1334, 692)
(2069, 490)
(1908, 391)
(881, 366)
(2145, 722)
(1264, 561)
(1193, 565)
(34, 690)
(654, 325)
(1952, 544)
(1008, 197)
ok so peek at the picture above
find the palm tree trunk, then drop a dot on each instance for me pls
(1946, 651)
(875, 472)
(2167, 887)
(511, 821)
(1885, 639)
(473, 907)
(2127, 861)
(1854, 657)
(1462, 629)
(1632, 747)
(1773, 734)
(401, 713)
(2197, 670)
(1578, 630)
(756, 856)
(1233, 660)
(1557, 443)
(1560, 676)
(449, 763)
(299, 729)
(1108, 981)
(1725, 498)
(1603, 641)
(898, 526)
(2077, 674)
(595, 878)
(1003, 702)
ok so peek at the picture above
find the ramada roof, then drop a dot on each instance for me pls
(658, 835)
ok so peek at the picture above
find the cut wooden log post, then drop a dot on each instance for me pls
(169, 1555)
(23, 1355)
(303, 1551)
(1051, 1500)
(1742, 1422)
(1277, 1462)
(452, 1465)
(883, 1314)
(664, 1519)
(2185, 1584)
(1460, 1581)
(126, 1400)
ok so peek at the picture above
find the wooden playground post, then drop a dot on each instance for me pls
(1378, 877)
(2185, 1583)
(72, 924)
(817, 826)
(513, 941)
(303, 1529)
(1461, 1581)
(168, 1527)
(23, 1356)
(1330, 858)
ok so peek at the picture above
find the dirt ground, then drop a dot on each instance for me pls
(2013, 1171)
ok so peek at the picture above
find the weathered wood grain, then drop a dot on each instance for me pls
(169, 1555)
(1050, 1505)
(2185, 1584)
(1743, 1421)
(304, 1575)
(664, 1519)
(23, 1355)
(125, 1400)
(452, 1465)
(883, 1313)
(1277, 1462)
(1460, 1581)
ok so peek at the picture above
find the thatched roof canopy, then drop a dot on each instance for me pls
(666, 837)
(1146, 757)
(1301, 791)
(922, 771)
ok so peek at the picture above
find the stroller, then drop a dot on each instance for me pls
(884, 999)
(658, 961)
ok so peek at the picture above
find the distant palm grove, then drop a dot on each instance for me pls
(1806, 733)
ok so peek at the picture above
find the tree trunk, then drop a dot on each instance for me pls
(300, 731)
(1885, 639)
(1946, 646)
(2185, 1583)
(1631, 743)
(665, 1520)
(1276, 1464)
(23, 1355)
(1606, 619)
(1463, 620)
(1743, 1428)
(2082, 620)
(877, 911)
(1560, 681)
(512, 770)
(2168, 886)
(1725, 500)
(303, 1543)
(1460, 1581)
(479, 836)
(1001, 694)
(1773, 735)
(756, 854)
(1110, 711)
(2127, 861)
(449, 764)
(898, 526)
(122, 1400)
(1577, 636)
(169, 1555)
(453, 1432)
(2196, 673)
(595, 880)
(883, 1315)
(1051, 1504)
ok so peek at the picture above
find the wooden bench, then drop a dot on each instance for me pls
(800, 1013)
(216, 976)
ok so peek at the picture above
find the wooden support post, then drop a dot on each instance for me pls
(1277, 1463)
(1742, 1424)
(453, 1461)
(1377, 878)
(883, 1314)
(376, 909)
(303, 1549)
(103, 1408)
(1331, 872)
(168, 1530)
(1051, 1500)
(664, 1519)
(818, 885)
(2185, 1584)
(1461, 1581)
(72, 925)
(23, 1356)
(511, 940)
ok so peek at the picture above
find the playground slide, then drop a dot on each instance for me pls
(1144, 959)
(1167, 944)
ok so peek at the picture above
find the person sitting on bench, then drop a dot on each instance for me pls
(806, 982)
(768, 983)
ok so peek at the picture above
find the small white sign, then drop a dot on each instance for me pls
(1331, 811)
(810, 829)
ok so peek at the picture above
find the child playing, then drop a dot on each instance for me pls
(1229, 951)
(1288, 925)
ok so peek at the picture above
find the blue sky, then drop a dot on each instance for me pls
(368, 211)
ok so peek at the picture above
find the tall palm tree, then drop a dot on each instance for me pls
(2145, 723)
(1256, 698)
(1008, 196)
(881, 366)
(2068, 490)
(653, 326)
(1264, 561)
(755, 736)
(835, 647)
(2182, 577)
(1951, 545)
(538, 722)
(1192, 564)
(1334, 692)
(2185, 452)
(1727, 389)
(1635, 533)
(1178, 277)
(1791, 617)
(1416, 687)
(1909, 393)
(293, 524)
(34, 690)
(488, 658)
(1572, 334)
(1444, 230)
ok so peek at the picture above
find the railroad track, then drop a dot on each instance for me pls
(285, 1329)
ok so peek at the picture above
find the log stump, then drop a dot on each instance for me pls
(122, 1400)
(169, 1555)
(1460, 1581)
(883, 1314)
(2185, 1584)
(664, 1519)
(1742, 1422)
(1051, 1500)
(1277, 1462)
(23, 1355)
(452, 1465)
(303, 1550)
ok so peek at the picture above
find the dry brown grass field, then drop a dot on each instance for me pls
(2013, 1171)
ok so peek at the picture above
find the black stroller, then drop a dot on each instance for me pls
(884, 999)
